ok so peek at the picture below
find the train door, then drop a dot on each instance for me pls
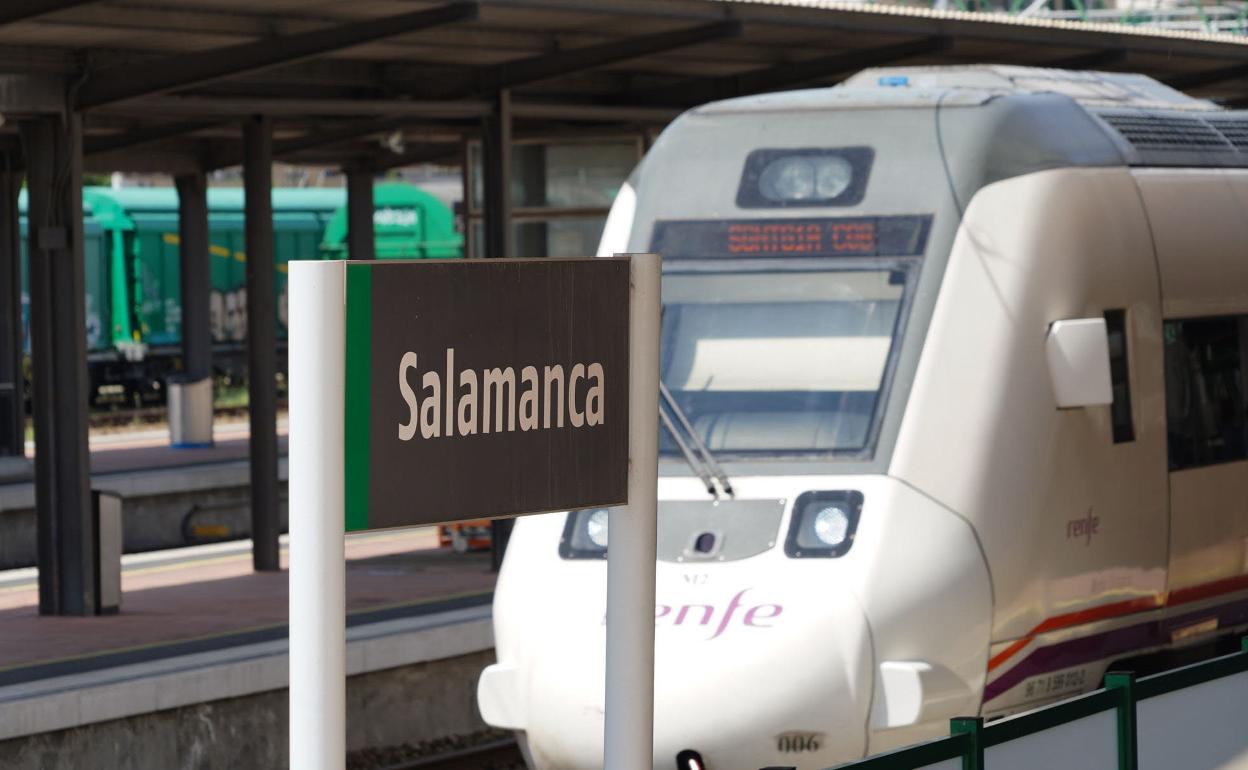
(97, 275)
(1069, 504)
(1101, 533)
(155, 250)
(1200, 223)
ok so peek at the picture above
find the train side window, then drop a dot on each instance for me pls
(1120, 376)
(1206, 411)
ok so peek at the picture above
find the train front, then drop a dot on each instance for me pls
(810, 608)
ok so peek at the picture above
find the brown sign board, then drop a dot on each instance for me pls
(484, 388)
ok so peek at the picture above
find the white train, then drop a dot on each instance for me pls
(970, 345)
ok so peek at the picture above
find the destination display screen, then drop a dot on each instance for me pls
(894, 236)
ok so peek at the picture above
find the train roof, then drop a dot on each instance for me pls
(219, 198)
(972, 85)
(123, 200)
(1092, 118)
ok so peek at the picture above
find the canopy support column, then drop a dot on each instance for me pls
(190, 395)
(195, 275)
(66, 528)
(12, 396)
(261, 341)
(361, 240)
(496, 176)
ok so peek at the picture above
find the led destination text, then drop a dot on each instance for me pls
(464, 403)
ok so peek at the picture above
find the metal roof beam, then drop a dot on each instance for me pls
(545, 66)
(198, 106)
(420, 153)
(193, 106)
(783, 75)
(1207, 77)
(592, 113)
(31, 94)
(1088, 61)
(153, 77)
(94, 145)
(324, 138)
(19, 10)
(316, 139)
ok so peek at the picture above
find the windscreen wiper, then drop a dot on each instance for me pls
(698, 444)
(697, 466)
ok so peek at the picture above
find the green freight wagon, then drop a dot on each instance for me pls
(133, 303)
(142, 228)
(134, 310)
(408, 223)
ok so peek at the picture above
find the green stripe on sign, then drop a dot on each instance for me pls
(359, 384)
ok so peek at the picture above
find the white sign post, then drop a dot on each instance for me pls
(318, 572)
(318, 510)
(629, 731)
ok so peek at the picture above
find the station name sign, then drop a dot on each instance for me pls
(483, 388)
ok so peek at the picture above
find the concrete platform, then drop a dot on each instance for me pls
(170, 497)
(123, 451)
(210, 594)
(201, 637)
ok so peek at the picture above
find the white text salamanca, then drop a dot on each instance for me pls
(467, 402)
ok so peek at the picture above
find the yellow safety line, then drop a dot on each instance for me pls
(394, 605)
(155, 568)
(158, 568)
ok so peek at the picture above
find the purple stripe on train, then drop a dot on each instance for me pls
(1120, 641)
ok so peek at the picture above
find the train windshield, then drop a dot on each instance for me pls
(781, 356)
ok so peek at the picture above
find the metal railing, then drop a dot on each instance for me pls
(970, 737)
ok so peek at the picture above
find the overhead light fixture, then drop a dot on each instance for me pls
(394, 142)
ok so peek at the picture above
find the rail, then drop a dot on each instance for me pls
(970, 738)
(499, 754)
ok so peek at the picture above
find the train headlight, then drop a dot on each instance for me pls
(823, 524)
(832, 525)
(596, 527)
(832, 176)
(788, 179)
(805, 176)
(585, 535)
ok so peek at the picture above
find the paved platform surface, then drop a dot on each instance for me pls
(141, 450)
(207, 597)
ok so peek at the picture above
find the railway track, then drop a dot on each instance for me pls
(495, 754)
(149, 416)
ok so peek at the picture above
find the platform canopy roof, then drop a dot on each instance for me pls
(164, 83)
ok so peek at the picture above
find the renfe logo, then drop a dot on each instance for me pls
(710, 616)
(582, 406)
(1084, 528)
